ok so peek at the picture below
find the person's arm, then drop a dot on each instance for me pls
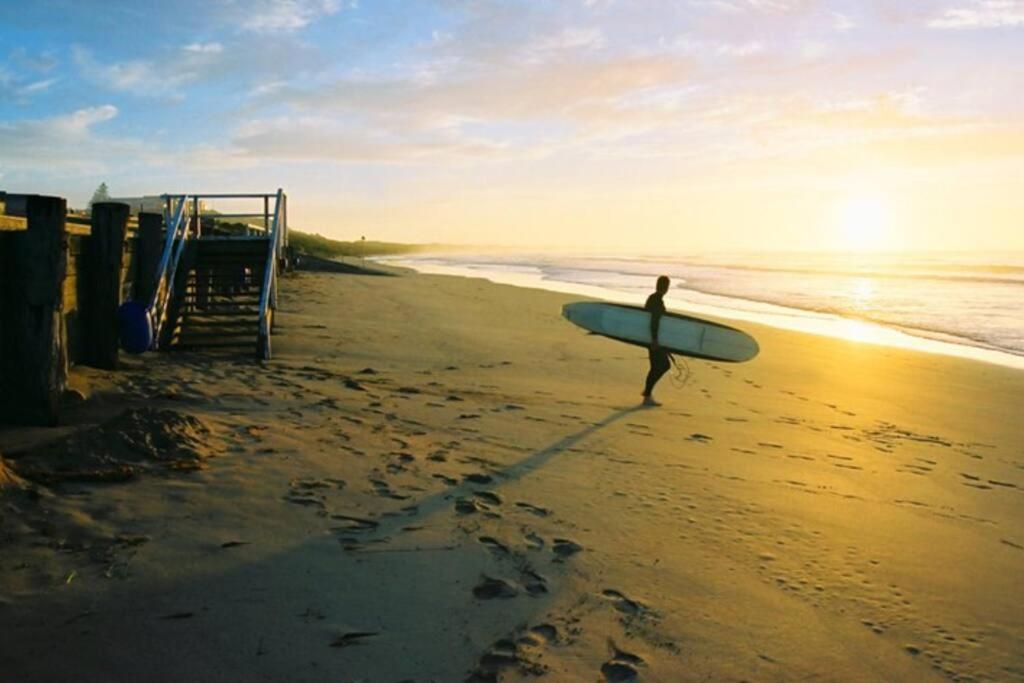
(655, 324)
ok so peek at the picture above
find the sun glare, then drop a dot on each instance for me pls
(862, 223)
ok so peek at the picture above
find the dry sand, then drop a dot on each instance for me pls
(438, 479)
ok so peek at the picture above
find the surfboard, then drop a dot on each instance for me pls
(677, 333)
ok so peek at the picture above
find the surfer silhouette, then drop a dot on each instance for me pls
(658, 356)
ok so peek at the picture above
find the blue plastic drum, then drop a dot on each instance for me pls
(134, 327)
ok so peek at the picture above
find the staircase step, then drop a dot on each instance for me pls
(214, 334)
(192, 297)
(248, 325)
(218, 307)
(221, 293)
(198, 317)
(215, 345)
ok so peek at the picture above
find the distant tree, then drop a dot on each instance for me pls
(100, 195)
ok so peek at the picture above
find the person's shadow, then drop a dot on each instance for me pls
(531, 463)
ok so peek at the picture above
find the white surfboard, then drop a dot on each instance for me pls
(677, 333)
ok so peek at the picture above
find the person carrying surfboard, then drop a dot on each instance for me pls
(659, 358)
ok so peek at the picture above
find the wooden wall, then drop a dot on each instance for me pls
(87, 293)
(76, 286)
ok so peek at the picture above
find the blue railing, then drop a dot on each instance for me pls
(278, 234)
(142, 322)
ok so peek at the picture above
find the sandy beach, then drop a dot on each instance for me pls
(439, 479)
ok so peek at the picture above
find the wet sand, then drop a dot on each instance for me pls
(439, 479)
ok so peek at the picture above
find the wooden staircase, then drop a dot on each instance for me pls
(218, 290)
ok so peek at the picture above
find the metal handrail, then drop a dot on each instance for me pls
(174, 245)
(268, 294)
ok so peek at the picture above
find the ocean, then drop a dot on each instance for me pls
(969, 304)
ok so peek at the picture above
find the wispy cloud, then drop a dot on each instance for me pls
(267, 16)
(22, 76)
(981, 14)
(768, 6)
(204, 48)
(64, 140)
(411, 119)
(149, 78)
(319, 138)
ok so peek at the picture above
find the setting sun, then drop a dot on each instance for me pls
(863, 223)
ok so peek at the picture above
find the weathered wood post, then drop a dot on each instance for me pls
(148, 250)
(33, 353)
(105, 258)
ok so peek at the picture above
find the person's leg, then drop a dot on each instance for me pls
(660, 364)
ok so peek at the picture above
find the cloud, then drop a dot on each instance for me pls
(317, 138)
(66, 140)
(21, 76)
(204, 48)
(268, 16)
(764, 6)
(74, 143)
(841, 22)
(981, 14)
(704, 48)
(518, 111)
(148, 78)
(41, 63)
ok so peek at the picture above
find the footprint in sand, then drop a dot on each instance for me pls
(383, 489)
(542, 634)
(490, 589)
(488, 497)
(494, 545)
(351, 523)
(622, 603)
(480, 501)
(479, 478)
(622, 667)
(564, 548)
(516, 652)
(534, 541)
(534, 583)
(533, 509)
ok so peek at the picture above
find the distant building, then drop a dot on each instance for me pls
(148, 204)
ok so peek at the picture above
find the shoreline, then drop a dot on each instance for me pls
(766, 313)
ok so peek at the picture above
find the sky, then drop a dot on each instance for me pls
(686, 125)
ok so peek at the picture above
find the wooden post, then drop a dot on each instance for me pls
(33, 353)
(198, 217)
(105, 257)
(148, 250)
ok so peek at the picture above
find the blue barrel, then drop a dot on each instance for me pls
(135, 329)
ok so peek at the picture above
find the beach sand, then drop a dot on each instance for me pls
(439, 479)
